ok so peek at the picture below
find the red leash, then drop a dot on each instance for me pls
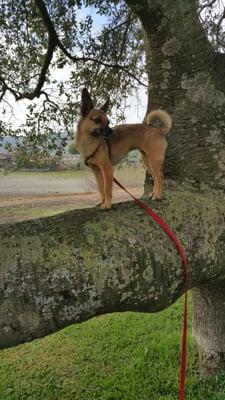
(180, 249)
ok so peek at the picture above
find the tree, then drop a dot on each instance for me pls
(72, 149)
(64, 277)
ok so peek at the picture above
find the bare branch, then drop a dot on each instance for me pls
(6, 88)
(219, 25)
(206, 5)
(103, 63)
(122, 23)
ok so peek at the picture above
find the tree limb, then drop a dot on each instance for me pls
(206, 5)
(68, 268)
(219, 26)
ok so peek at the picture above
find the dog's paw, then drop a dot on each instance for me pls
(151, 194)
(105, 206)
(100, 203)
(155, 196)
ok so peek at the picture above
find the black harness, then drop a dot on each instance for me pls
(105, 134)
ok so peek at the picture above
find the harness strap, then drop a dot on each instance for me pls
(107, 142)
(91, 155)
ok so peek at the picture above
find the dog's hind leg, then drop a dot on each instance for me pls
(154, 167)
(149, 169)
(100, 182)
(156, 171)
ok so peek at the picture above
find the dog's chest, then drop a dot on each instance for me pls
(86, 147)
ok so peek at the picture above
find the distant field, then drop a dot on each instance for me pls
(129, 356)
(61, 182)
(25, 195)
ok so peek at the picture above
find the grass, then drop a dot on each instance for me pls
(115, 357)
(24, 212)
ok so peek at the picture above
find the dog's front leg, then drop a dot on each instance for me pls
(107, 173)
(100, 182)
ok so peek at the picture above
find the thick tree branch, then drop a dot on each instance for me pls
(65, 269)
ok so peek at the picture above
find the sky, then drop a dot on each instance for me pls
(135, 111)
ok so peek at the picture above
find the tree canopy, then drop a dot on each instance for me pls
(50, 49)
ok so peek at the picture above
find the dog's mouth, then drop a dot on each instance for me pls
(104, 131)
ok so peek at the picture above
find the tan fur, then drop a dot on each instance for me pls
(149, 140)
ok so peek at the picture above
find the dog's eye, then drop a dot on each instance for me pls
(97, 120)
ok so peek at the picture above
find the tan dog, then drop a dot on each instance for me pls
(102, 147)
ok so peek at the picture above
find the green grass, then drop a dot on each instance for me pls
(115, 357)
(23, 212)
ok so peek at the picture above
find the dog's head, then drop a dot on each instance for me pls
(95, 120)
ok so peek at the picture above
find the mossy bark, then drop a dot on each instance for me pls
(209, 324)
(186, 78)
(65, 269)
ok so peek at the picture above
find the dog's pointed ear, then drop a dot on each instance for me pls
(105, 106)
(86, 102)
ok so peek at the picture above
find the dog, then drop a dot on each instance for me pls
(102, 147)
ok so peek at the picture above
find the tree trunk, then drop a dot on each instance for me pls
(185, 78)
(65, 269)
(209, 324)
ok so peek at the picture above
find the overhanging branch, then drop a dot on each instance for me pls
(53, 43)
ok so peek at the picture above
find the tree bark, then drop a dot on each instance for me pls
(209, 325)
(65, 269)
(185, 78)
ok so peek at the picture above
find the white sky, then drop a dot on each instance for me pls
(135, 111)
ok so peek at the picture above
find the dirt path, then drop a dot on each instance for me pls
(20, 208)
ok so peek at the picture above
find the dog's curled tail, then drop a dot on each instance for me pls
(163, 116)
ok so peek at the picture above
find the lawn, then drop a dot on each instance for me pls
(129, 356)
